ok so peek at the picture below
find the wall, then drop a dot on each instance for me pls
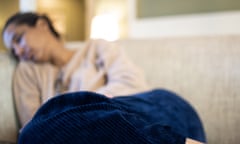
(7, 8)
(67, 15)
(155, 8)
(210, 23)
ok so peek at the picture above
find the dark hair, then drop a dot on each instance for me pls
(30, 19)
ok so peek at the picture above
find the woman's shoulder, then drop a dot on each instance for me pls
(101, 43)
(25, 66)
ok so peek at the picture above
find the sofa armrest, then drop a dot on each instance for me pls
(8, 119)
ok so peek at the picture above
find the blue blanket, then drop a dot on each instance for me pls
(153, 117)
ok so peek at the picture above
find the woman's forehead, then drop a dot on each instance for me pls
(8, 35)
(10, 32)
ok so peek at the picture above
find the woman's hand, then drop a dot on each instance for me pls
(191, 141)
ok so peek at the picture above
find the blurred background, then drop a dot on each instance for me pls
(205, 70)
(79, 20)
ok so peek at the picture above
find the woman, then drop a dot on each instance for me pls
(47, 68)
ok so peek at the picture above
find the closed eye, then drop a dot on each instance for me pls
(17, 38)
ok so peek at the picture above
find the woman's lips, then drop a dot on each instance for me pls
(28, 56)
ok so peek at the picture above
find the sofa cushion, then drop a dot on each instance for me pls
(8, 123)
(204, 70)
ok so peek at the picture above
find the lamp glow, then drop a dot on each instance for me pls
(105, 26)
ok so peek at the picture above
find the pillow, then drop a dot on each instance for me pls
(8, 121)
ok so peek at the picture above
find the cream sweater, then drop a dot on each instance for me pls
(99, 66)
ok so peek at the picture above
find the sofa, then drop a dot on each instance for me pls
(205, 70)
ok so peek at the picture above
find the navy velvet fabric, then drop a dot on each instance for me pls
(165, 108)
(153, 117)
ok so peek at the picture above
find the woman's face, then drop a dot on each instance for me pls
(28, 43)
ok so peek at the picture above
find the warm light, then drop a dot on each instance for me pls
(105, 26)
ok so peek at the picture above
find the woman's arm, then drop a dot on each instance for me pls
(26, 93)
(123, 77)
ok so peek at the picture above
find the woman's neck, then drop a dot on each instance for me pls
(61, 56)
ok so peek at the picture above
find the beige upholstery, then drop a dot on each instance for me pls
(204, 70)
(8, 121)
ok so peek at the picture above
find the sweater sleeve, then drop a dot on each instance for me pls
(123, 77)
(26, 93)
